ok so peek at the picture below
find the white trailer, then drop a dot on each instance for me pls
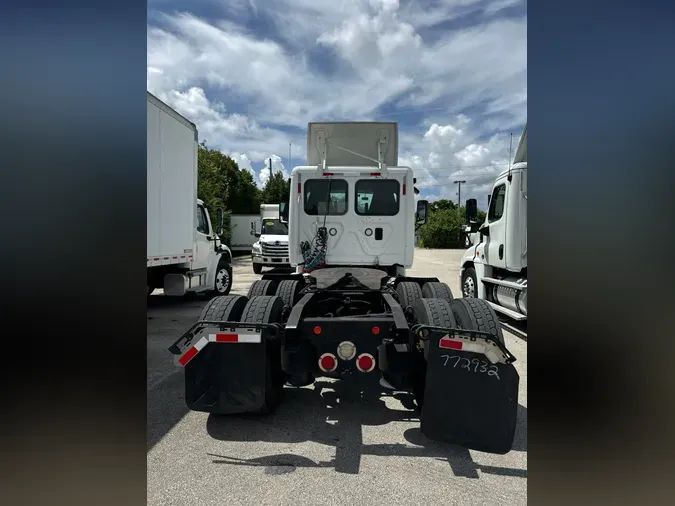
(184, 253)
(495, 267)
(242, 238)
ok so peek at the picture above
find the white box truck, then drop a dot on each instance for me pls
(242, 238)
(271, 249)
(495, 267)
(184, 252)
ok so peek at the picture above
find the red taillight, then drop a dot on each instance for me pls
(375, 174)
(317, 330)
(376, 330)
(327, 174)
(365, 362)
(403, 188)
(299, 188)
(327, 362)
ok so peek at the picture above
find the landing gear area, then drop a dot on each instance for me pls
(406, 334)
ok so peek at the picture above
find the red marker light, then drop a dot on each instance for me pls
(317, 330)
(376, 330)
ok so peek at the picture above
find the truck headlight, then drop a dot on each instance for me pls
(257, 249)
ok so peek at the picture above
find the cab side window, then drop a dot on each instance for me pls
(202, 224)
(497, 203)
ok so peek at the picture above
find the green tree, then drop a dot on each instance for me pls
(277, 189)
(221, 183)
(442, 230)
(442, 204)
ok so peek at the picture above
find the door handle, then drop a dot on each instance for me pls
(501, 251)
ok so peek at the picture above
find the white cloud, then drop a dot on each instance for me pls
(244, 90)
(277, 166)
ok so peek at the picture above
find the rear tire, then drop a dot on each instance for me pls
(224, 308)
(257, 268)
(477, 314)
(288, 291)
(269, 309)
(262, 287)
(435, 313)
(408, 294)
(436, 290)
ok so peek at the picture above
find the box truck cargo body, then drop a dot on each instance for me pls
(184, 253)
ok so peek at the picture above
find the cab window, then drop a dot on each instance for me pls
(325, 196)
(202, 223)
(377, 197)
(497, 203)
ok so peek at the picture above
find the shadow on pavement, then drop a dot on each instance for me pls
(334, 414)
(165, 407)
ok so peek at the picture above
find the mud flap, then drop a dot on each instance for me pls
(227, 379)
(225, 369)
(468, 400)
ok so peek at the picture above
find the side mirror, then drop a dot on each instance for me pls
(219, 229)
(421, 213)
(283, 212)
(471, 210)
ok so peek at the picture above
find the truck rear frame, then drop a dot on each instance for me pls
(292, 329)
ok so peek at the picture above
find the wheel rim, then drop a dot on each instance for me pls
(469, 288)
(222, 280)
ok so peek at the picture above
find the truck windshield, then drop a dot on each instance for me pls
(274, 227)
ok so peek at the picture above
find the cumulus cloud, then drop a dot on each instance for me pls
(455, 93)
(277, 166)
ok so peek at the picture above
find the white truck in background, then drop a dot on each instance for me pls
(242, 237)
(271, 248)
(184, 252)
(495, 267)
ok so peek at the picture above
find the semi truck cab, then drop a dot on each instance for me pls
(495, 267)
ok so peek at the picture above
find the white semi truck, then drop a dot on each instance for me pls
(271, 248)
(352, 312)
(494, 269)
(184, 252)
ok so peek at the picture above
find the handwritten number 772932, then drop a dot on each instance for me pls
(475, 365)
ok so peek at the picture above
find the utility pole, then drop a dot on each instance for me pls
(459, 192)
(270, 160)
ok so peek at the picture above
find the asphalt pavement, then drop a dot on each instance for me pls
(328, 444)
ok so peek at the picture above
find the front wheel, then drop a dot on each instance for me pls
(469, 284)
(223, 282)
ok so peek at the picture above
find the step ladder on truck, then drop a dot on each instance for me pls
(350, 310)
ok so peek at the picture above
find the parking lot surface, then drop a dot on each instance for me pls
(328, 444)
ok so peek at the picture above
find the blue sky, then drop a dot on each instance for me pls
(251, 74)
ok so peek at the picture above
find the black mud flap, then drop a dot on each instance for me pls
(225, 377)
(468, 400)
